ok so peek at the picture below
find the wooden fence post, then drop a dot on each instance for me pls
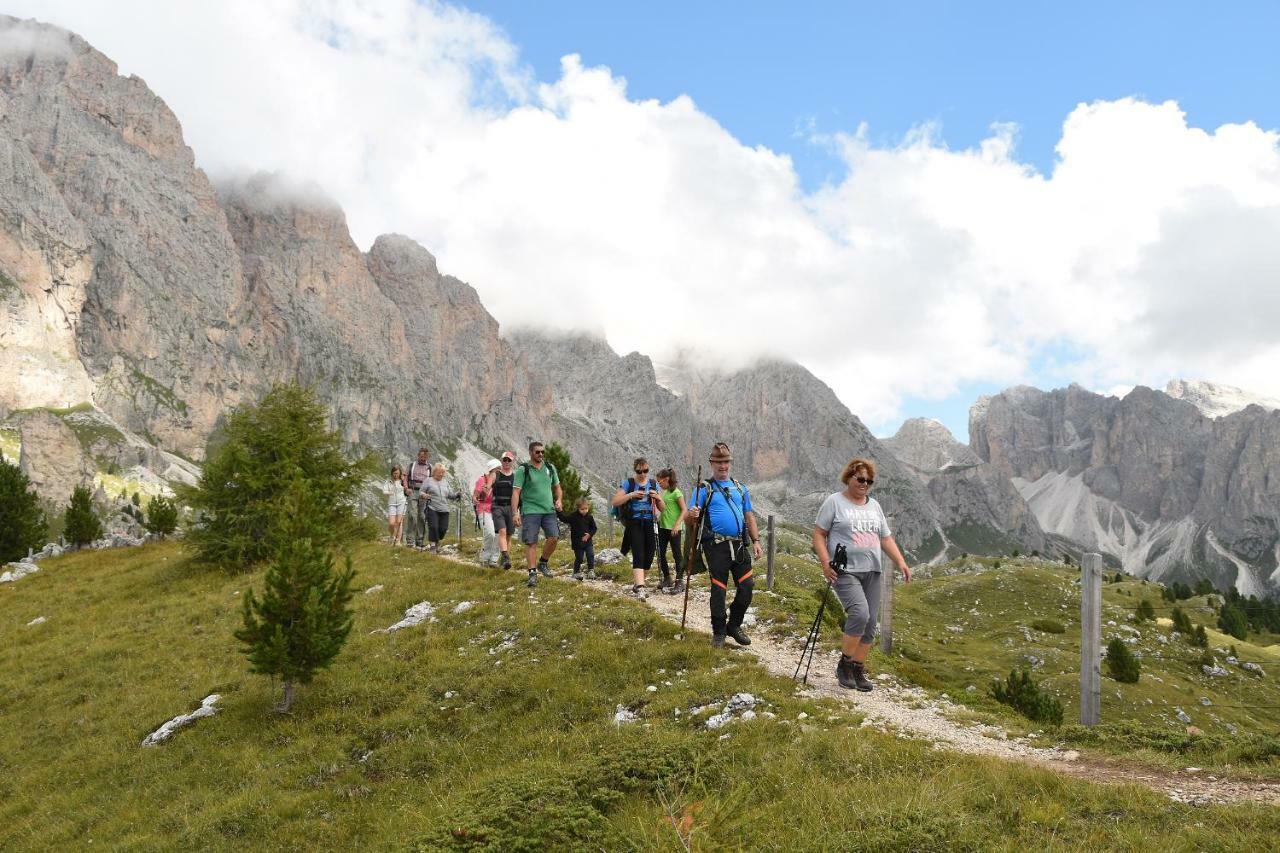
(886, 606)
(772, 551)
(1090, 639)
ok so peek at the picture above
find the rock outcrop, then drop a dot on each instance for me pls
(51, 456)
(1148, 479)
(977, 508)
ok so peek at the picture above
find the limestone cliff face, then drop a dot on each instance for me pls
(129, 282)
(123, 235)
(978, 508)
(1148, 479)
(790, 434)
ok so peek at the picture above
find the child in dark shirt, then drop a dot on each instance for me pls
(582, 531)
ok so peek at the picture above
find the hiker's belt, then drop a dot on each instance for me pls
(716, 538)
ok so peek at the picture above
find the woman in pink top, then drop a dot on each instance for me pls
(483, 495)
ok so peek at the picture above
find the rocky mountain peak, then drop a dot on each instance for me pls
(1216, 400)
(927, 444)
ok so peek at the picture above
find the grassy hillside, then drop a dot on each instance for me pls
(975, 619)
(490, 728)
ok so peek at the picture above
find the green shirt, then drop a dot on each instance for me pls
(536, 494)
(671, 509)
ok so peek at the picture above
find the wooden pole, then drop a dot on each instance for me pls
(886, 605)
(1090, 639)
(772, 551)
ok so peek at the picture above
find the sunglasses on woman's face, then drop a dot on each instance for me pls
(642, 470)
(864, 481)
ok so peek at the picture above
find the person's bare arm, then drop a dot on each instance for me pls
(891, 548)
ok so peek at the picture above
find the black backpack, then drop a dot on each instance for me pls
(623, 513)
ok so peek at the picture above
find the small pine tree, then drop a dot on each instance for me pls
(162, 516)
(303, 617)
(136, 500)
(81, 525)
(1016, 553)
(1121, 664)
(571, 487)
(1145, 611)
(1231, 620)
(237, 503)
(1181, 622)
(1166, 594)
(1024, 696)
(1201, 637)
(22, 522)
(1066, 558)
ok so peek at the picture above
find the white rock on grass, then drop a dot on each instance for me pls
(1253, 667)
(464, 606)
(375, 588)
(1214, 671)
(166, 731)
(622, 716)
(739, 704)
(608, 556)
(1182, 716)
(18, 571)
(39, 620)
(415, 615)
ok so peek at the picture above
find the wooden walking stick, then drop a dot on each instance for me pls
(688, 553)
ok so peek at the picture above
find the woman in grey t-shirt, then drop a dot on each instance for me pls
(438, 494)
(853, 519)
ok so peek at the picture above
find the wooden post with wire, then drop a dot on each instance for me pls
(1090, 639)
(768, 578)
(886, 605)
(693, 531)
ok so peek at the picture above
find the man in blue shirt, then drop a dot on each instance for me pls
(729, 540)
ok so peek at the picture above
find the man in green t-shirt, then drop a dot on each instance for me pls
(536, 498)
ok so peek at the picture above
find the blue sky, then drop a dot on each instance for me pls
(771, 72)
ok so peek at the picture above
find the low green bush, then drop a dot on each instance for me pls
(1121, 664)
(1049, 626)
(1024, 696)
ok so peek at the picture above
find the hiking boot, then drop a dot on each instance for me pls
(544, 568)
(533, 579)
(852, 675)
(639, 592)
(739, 636)
(717, 640)
(506, 562)
(577, 576)
(676, 588)
(591, 574)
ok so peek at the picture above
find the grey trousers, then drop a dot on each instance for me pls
(859, 594)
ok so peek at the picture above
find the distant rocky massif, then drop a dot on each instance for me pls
(1166, 490)
(140, 303)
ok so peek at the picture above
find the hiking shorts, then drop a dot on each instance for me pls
(532, 523)
(502, 518)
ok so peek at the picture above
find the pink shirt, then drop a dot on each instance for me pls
(484, 504)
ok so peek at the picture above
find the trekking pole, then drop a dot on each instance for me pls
(811, 641)
(839, 561)
(689, 548)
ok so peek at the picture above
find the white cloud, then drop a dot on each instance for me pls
(1147, 252)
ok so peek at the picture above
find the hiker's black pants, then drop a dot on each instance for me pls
(669, 538)
(640, 532)
(584, 550)
(437, 524)
(724, 560)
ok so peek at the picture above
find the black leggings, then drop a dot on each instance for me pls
(670, 538)
(640, 532)
(437, 524)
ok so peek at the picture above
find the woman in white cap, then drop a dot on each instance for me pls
(482, 493)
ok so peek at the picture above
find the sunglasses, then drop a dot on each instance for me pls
(537, 452)
(642, 470)
(864, 481)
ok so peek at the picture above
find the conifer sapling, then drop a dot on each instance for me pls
(303, 617)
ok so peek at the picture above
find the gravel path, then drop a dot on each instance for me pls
(897, 707)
